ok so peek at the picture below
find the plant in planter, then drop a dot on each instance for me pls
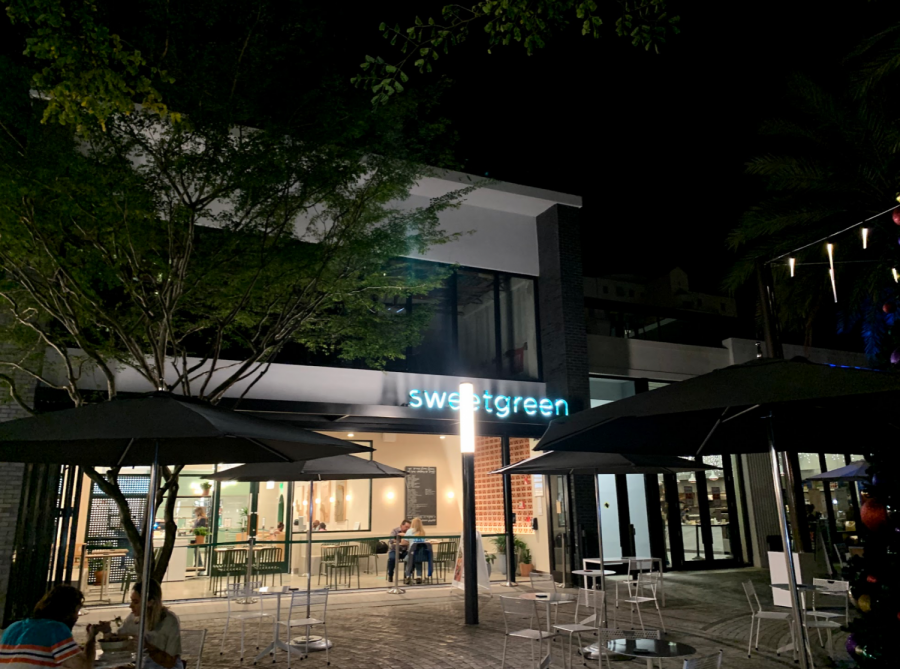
(205, 486)
(500, 545)
(200, 534)
(489, 558)
(525, 565)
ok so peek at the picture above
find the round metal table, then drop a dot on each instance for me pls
(650, 649)
(592, 573)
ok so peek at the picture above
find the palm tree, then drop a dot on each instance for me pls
(835, 160)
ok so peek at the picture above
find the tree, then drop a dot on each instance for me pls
(835, 161)
(194, 247)
(531, 23)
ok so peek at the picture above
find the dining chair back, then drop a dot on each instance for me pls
(297, 617)
(541, 582)
(516, 612)
(192, 642)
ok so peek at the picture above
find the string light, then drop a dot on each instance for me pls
(830, 248)
(792, 262)
(865, 236)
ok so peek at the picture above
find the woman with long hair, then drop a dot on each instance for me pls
(163, 630)
(45, 639)
(419, 551)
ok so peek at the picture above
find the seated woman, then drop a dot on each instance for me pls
(45, 639)
(419, 550)
(163, 630)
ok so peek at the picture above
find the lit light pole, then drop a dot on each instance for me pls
(467, 447)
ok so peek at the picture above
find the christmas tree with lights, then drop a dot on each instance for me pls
(874, 577)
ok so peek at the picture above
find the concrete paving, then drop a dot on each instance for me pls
(424, 628)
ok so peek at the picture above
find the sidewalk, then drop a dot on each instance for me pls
(423, 628)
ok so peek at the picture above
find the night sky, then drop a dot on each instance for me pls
(655, 144)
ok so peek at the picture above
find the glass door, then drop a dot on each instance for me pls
(560, 555)
(709, 536)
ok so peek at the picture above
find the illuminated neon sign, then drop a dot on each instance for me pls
(501, 405)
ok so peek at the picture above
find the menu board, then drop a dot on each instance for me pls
(421, 494)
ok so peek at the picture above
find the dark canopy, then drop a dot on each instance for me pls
(855, 471)
(339, 467)
(188, 431)
(814, 407)
(580, 462)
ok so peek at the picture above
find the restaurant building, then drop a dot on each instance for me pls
(515, 317)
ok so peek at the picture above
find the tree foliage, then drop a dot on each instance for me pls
(527, 22)
(192, 243)
(835, 160)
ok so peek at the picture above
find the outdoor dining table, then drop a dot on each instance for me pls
(649, 649)
(277, 643)
(113, 659)
(592, 573)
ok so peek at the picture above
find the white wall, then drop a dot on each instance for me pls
(639, 358)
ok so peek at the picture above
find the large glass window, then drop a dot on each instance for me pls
(477, 326)
(337, 506)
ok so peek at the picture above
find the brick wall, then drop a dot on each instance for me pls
(564, 347)
(10, 479)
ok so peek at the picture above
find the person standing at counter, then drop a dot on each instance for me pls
(200, 520)
(162, 639)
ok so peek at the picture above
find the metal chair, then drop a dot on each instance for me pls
(192, 642)
(445, 558)
(346, 560)
(368, 549)
(819, 620)
(592, 600)
(318, 608)
(758, 615)
(514, 610)
(607, 634)
(326, 557)
(635, 568)
(541, 582)
(268, 562)
(713, 661)
(831, 589)
(641, 591)
(237, 594)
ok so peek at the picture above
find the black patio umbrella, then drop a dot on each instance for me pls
(578, 462)
(855, 471)
(159, 428)
(338, 468)
(740, 409)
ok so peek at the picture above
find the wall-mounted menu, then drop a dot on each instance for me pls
(421, 494)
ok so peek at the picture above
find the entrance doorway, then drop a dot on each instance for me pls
(702, 522)
(560, 540)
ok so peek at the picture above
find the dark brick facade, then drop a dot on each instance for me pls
(564, 347)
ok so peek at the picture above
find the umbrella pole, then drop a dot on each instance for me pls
(309, 551)
(600, 545)
(788, 551)
(148, 555)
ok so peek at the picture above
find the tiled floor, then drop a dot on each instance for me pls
(424, 627)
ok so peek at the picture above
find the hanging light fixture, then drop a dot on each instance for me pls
(830, 248)
(792, 262)
(896, 276)
(865, 237)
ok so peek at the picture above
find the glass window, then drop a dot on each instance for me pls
(235, 502)
(518, 331)
(604, 391)
(342, 506)
(609, 516)
(637, 509)
(476, 323)
(718, 508)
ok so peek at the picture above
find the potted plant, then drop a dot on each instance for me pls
(500, 545)
(200, 534)
(489, 558)
(205, 486)
(525, 565)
